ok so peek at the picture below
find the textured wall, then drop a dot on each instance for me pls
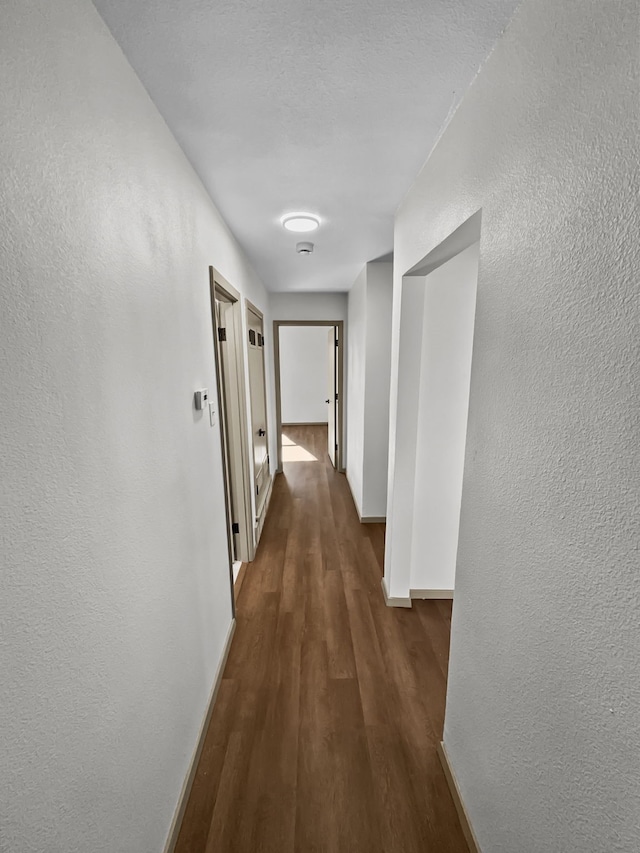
(543, 708)
(115, 597)
(304, 370)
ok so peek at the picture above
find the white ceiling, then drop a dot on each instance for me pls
(330, 107)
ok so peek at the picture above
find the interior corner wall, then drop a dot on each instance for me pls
(369, 357)
(408, 317)
(543, 704)
(304, 373)
(116, 597)
(379, 306)
(356, 360)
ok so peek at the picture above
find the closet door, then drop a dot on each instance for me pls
(258, 411)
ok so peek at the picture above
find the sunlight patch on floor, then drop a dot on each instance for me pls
(292, 452)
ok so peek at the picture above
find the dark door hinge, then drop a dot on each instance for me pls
(222, 334)
(235, 527)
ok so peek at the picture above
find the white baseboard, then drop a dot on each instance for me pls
(467, 829)
(394, 602)
(353, 497)
(364, 519)
(265, 510)
(431, 593)
(183, 799)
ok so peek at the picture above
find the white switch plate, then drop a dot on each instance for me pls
(212, 415)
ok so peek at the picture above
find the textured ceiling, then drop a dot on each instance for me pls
(330, 107)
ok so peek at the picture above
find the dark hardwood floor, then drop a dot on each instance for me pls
(323, 737)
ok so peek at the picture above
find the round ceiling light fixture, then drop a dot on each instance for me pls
(301, 223)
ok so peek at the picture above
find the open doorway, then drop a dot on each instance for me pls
(226, 313)
(449, 301)
(435, 351)
(309, 384)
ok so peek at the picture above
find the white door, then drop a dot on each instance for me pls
(332, 395)
(258, 413)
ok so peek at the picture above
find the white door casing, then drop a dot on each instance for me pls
(332, 394)
(232, 411)
(337, 334)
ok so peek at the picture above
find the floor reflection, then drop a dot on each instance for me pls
(292, 452)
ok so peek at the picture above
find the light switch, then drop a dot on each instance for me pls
(212, 415)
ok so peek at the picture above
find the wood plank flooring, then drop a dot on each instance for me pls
(323, 737)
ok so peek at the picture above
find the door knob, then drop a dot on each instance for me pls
(261, 432)
(327, 401)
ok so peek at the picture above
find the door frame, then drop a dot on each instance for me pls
(236, 407)
(340, 391)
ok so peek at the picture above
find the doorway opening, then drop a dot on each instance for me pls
(309, 360)
(445, 373)
(437, 319)
(226, 312)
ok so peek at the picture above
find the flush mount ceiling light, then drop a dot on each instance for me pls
(301, 223)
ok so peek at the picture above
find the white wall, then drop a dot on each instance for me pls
(369, 360)
(308, 306)
(443, 392)
(304, 371)
(543, 704)
(357, 371)
(115, 591)
(376, 452)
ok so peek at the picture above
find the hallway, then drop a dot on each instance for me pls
(324, 732)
